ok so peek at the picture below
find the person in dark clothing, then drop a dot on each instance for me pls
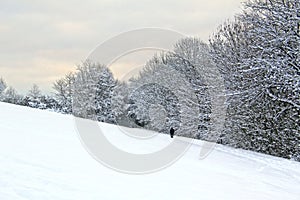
(172, 131)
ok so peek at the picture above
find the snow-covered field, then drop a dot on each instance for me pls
(41, 157)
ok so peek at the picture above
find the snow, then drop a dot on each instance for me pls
(41, 157)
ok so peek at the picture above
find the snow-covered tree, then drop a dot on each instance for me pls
(153, 106)
(192, 58)
(33, 98)
(10, 95)
(64, 89)
(3, 86)
(258, 55)
(189, 62)
(93, 88)
(277, 40)
(230, 47)
(120, 103)
(35, 92)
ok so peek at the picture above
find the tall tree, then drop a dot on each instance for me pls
(258, 55)
(93, 88)
(176, 81)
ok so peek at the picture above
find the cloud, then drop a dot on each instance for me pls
(38, 33)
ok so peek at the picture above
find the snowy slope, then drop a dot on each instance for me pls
(41, 157)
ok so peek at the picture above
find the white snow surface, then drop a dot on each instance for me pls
(41, 157)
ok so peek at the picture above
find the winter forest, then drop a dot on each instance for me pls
(257, 55)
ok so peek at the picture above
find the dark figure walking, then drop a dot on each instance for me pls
(172, 131)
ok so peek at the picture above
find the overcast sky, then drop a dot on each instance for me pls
(41, 40)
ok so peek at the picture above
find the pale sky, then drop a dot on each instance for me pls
(42, 40)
